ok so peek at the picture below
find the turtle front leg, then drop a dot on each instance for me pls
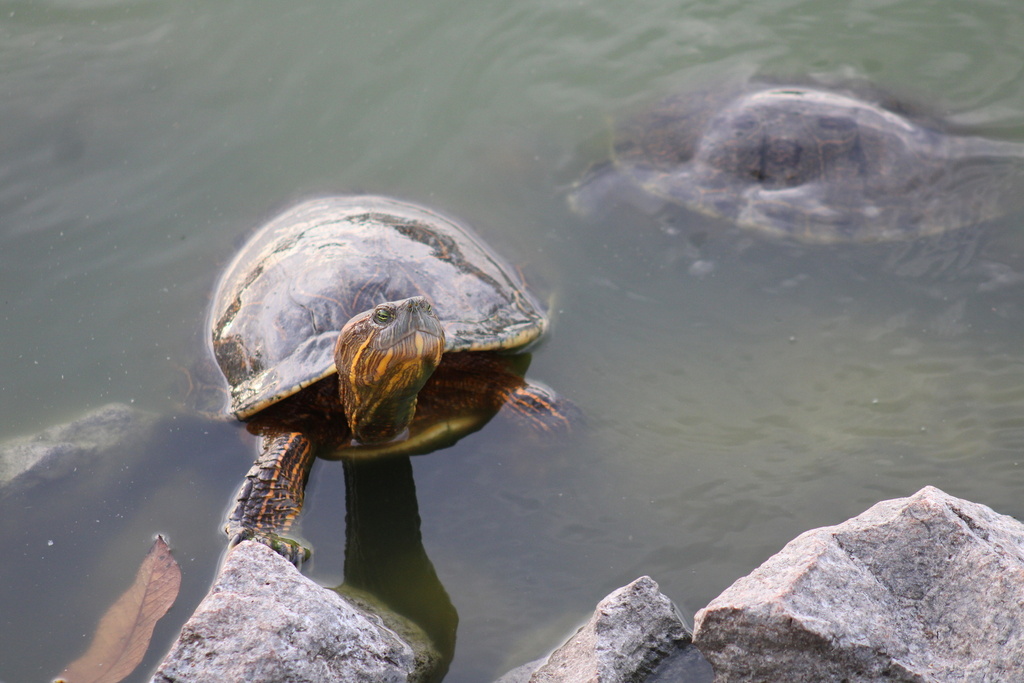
(271, 496)
(540, 408)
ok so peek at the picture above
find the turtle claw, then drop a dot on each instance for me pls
(288, 548)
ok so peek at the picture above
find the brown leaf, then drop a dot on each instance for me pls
(123, 634)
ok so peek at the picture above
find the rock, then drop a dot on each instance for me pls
(520, 674)
(926, 588)
(631, 632)
(264, 621)
(108, 431)
(685, 665)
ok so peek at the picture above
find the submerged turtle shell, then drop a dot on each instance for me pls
(282, 301)
(808, 163)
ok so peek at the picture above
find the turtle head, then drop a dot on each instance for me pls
(384, 357)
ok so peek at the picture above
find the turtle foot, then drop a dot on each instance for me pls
(542, 410)
(288, 548)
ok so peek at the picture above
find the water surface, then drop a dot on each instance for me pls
(738, 393)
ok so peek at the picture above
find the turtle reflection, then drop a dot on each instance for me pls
(384, 554)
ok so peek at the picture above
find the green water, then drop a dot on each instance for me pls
(731, 406)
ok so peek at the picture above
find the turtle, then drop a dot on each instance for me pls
(805, 162)
(361, 326)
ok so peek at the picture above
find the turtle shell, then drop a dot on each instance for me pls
(810, 163)
(282, 301)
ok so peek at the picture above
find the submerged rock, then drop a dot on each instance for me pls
(925, 588)
(264, 621)
(109, 431)
(633, 631)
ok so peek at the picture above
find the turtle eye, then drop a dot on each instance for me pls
(383, 316)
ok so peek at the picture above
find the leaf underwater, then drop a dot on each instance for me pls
(124, 632)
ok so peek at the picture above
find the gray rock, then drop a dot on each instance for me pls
(631, 632)
(264, 621)
(686, 665)
(926, 588)
(107, 432)
(521, 674)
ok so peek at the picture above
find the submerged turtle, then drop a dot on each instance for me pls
(808, 163)
(366, 326)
